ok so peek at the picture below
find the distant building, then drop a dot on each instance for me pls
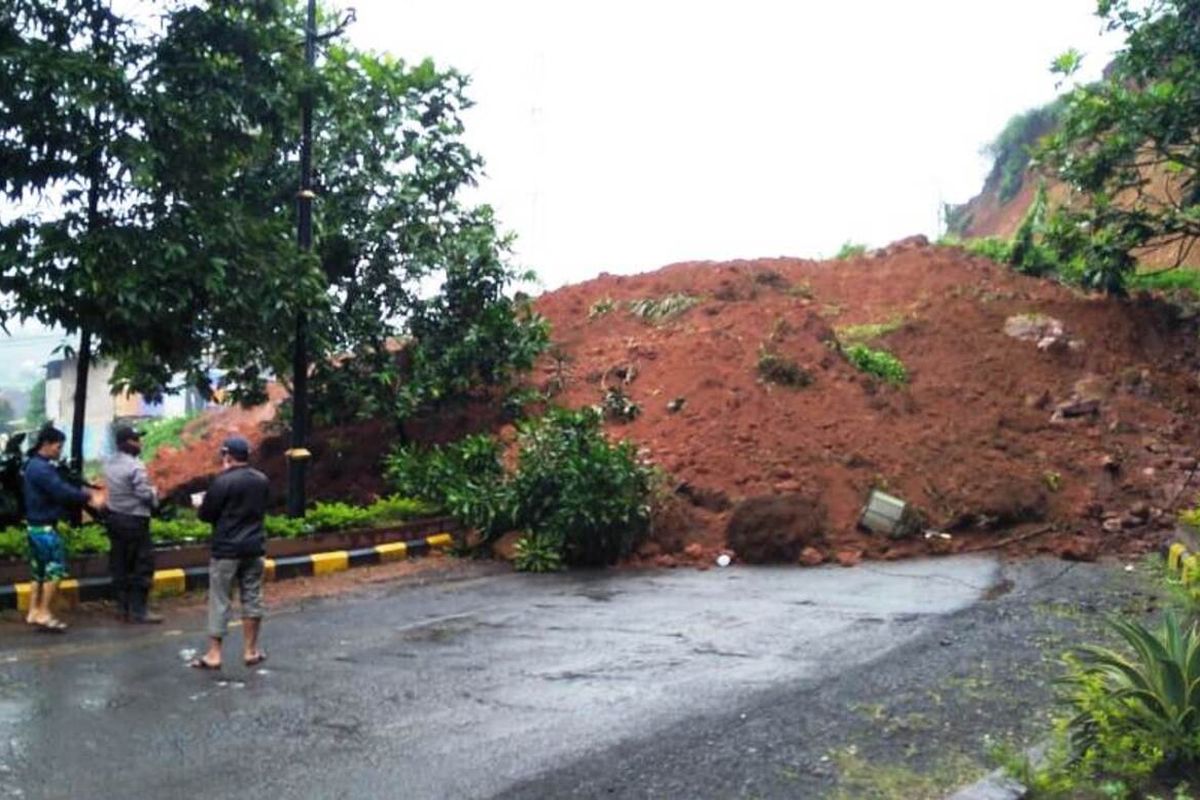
(105, 408)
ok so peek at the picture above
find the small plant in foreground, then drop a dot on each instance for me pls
(879, 363)
(774, 368)
(1138, 711)
(538, 553)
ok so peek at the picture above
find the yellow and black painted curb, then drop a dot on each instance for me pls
(177, 581)
(1184, 566)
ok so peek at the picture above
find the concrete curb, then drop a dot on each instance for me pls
(177, 581)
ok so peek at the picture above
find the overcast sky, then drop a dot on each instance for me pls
(625, 135)
(621, 136)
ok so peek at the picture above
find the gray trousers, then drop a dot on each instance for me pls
(223, 575)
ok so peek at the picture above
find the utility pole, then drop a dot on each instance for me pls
(299, 455)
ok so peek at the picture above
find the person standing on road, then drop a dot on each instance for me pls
(235, 505)
(131, 499)
(48, 498)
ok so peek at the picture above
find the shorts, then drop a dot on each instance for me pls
(223, 575)
(47, 554)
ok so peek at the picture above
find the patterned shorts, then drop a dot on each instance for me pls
(47, 554)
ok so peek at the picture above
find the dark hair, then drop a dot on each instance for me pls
(47, 435)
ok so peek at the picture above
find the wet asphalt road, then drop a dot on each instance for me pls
(485, 685)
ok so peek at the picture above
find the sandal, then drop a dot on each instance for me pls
(201, 664)
(256, 660)
(51, 625)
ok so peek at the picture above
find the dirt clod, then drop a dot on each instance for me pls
(776, 528)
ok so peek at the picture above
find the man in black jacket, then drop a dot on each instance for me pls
(235, 506)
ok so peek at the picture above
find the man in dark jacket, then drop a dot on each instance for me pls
(235, 505)
(48, 498)
(131, 499)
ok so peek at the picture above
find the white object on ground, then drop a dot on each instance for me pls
(723, 560)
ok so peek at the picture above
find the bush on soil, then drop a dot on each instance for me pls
(572, 489)
(879, 363)
(618, 406)
(776, 528)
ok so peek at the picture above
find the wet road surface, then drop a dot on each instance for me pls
(471, 687)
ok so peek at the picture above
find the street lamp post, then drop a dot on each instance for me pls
(298, 455)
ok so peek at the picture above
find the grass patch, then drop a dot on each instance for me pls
(880, 363)
(601, 307)
(657, 310)
(861, 334)
(1173, 281)
(862, 779)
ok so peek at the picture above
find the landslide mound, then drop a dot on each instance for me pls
(776, 528)
(1080, 434)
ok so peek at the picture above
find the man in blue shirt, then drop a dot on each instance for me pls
(48, 498)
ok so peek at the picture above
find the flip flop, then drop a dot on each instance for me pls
(201, 664)
(51, 626)
(254, 662)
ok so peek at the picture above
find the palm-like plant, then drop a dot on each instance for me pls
(1150, 697)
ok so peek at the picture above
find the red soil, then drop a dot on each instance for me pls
(970, 436)
(969, 441)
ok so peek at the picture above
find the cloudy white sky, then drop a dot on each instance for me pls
(623, 135)
(627, 134)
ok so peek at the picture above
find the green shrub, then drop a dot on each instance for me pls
(1012, 149)
(1139, 709)
(850, 250)
(466, 479)
(993, 247)
(657, 310)
(860, 334)
(538, 553)
(280, 527)
(879, 363)
(774, 368)
(575, 487)
(12, 542)
(396, 508)
(183, 530)
(83, 540)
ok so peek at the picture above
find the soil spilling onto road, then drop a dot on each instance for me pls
(1034, 418)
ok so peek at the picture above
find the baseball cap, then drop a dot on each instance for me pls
(126, 433)
(236, 446)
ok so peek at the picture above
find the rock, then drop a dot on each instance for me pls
(1112, 525)
(849, 558)
(1033, 327)
(1140, 510)
(676, 405)
(1081, 548)
(1110, 463)
(1130, 522)
(1186, 462)
(788, 487)
(811, 557)
(776, 528)
(694, 550)
(1078, 408)
(505, 548)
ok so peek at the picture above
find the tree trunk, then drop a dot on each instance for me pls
(79, 409)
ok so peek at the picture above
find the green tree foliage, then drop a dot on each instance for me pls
(1119, 137)
(1012, 151)
(178, 251)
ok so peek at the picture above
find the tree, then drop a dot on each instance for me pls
(67, 138)
(1128, 146)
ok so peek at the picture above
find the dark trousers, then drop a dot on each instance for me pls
(130, 561)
